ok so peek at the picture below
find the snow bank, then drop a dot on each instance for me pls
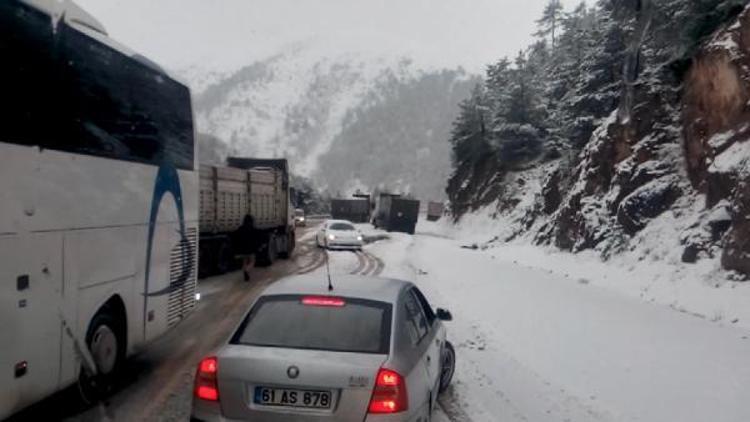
(543, 346)
(545, 336)
(650, 270)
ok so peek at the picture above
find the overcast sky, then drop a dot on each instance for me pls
(227, 34)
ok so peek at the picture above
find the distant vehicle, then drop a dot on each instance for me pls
(248, 186)
(299, 217)
(99, 208)
(397, 214)
(339, 234)
(371, 350)
(434, 211)
(354, 210)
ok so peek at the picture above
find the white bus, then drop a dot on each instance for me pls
(98, 201)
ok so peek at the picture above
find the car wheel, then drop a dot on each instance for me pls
(106, 347)
(448, 367)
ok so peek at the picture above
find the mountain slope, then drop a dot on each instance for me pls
(313, 109)
(662, 174)
(396, 141)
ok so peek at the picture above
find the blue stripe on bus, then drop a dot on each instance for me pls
(167, 181)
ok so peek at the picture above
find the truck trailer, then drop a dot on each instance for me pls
(354, 210)
(434, 210)
(246, 186)
(394, 213)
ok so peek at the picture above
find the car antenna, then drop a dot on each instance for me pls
(328, 273)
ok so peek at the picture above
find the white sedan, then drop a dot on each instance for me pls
(339, 234)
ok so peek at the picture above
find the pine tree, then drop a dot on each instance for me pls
(470, 146)
(470, 136)
(519, 125)
(548, 24)
(595, 92)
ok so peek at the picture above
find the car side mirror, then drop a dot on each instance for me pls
(444, 314)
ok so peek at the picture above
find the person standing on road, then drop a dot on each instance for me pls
(246, 245)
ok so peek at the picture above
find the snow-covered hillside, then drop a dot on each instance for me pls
(297, 103)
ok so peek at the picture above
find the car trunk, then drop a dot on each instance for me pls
(349, 377)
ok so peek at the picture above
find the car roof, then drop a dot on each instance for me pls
(352, 286)
(329, 222)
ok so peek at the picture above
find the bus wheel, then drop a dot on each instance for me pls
(106, 346)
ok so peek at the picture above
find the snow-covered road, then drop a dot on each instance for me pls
(533, 342)
(534, 345)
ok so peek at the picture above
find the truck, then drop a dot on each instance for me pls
(354, 210)
(246, 186)
(394, 213)
(434, 210)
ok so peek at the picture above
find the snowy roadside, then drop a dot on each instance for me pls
(652, 272)
(535, 344)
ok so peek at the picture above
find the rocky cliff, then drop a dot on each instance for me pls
(667, 172)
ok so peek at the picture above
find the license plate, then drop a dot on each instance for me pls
(311, 399)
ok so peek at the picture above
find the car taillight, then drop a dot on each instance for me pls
(389, 395)
(206, 387)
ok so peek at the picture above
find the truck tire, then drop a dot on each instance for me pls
(267, 254)
(224, 258)
(272, 249)
(286, 251)
(205, 262)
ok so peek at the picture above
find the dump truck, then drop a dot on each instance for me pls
(434, 210)
(246, 186)
(397, 214)
(354, 210)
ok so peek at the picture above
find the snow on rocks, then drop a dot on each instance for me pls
(734, 160)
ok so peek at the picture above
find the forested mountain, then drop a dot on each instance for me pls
(395, 140)
(344, 121)
(626, 120)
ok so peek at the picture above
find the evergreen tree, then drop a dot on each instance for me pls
(548, 24)
(470, 146)
(519, 125)
(595, 93)
(470, 136)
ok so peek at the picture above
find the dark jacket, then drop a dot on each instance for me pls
(247, 239)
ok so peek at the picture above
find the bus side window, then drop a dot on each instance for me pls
(27, 75)
(119, 107)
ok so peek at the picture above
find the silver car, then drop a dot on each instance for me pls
(371, 349)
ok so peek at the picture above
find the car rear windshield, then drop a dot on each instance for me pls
(342, 227)
(356, 325)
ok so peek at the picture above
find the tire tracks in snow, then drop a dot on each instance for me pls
(317, 261)
(368, 265)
